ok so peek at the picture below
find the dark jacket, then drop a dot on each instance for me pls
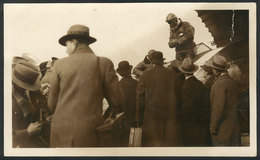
(157, 108)
(78, 86)
(224, 113)
(209, 82)
(128, 86)
(195, 112)
(24, 113)
(184, 34)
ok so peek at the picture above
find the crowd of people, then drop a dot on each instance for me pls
(59, 103)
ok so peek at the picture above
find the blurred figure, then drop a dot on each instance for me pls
(128, 85)
(26, 128)
(157, 109)
(209, 76)
(224, 123)
(46, 68)
(144, 65)
(181, 37)
(195, 107)
(78, 85)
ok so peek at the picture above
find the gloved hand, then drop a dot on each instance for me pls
(45, 88)
(34, 128)
(173, 43)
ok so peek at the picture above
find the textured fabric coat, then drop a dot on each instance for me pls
(141, 67)
(78, 86)
(224, 113)
(157, 109)
(128, 86)
(184, 34)
(195, 112)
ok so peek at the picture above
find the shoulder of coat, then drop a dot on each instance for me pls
(105, 61)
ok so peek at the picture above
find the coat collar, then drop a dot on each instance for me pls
(126, 77)
(82, 48)
(189, 77)
(223, 75)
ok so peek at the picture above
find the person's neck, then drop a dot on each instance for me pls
(82, 47)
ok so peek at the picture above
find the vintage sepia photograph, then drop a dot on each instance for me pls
(130, 79)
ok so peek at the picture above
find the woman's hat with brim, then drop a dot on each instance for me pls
(220, 63)
(188, 66)
(124, 68)
(27, 76)
(77, 32)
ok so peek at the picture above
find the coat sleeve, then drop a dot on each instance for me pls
(188, 33)
(218, 106)
(54, 90)
(113, 93)
(138, 70)
(140, 101)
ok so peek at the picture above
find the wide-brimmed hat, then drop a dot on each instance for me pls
(157, 56)
(79, 32)
(220, 62)
(17, 59)
(124, 68)
(207, 66)
(26, 75)
(188, 66)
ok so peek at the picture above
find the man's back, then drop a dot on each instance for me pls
(157, 108)
(78, 86)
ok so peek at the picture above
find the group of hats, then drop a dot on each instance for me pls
(154, 56)
(219, 62)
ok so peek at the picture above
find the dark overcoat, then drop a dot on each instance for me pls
(157, 108)
(78, 86)
(224, 113)
(195, 112)
(128, 86)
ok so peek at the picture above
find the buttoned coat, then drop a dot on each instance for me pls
(157, 108)
(195, 112)
(78, 85)
(224, 113)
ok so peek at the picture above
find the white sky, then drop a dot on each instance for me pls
(123, 31)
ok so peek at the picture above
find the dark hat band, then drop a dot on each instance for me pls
(25, 79)
(79, 33)
(188, 69)
(218, 65)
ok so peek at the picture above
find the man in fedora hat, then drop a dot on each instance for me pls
(144, 65)
(195, 108)
(181, 37)
(78, 85)
(224, 122)
(157, 110)
(209, 76)
(128, 86)
(25, 84)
